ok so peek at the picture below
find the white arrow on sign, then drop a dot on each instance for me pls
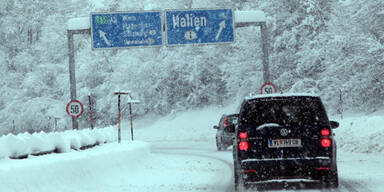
(102, 35)
(222, 26)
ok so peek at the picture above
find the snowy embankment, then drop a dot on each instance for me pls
(362, 134)
(75, 171)
(22, 145)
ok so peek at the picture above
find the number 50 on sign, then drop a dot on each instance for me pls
(268, 88)
(75, 108)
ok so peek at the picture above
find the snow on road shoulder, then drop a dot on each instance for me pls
(361, 172)
(363, 134)
(25, 144)
(75, 171)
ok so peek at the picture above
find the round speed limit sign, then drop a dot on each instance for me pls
(268, 88)
(75, 108)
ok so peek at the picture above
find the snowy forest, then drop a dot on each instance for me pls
(332, 48)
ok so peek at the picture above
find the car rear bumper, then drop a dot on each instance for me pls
(286, 168)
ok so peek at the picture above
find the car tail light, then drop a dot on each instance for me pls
(325, 132)
(225, 122)
(243, 135)
(323, 168)
(325, 142)
(243, 145)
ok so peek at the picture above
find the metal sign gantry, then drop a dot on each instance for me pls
(194, 18)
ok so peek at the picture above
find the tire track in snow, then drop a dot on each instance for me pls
(353, 187)
(344, 185)
(177, 151)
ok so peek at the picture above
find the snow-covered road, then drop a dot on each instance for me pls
(190, 135)
(163, 167)
(200, 167)
(358, 172)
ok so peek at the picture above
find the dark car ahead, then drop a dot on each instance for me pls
(224, 138)
(284, 137)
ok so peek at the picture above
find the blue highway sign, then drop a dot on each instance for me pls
(120, 30)
(199, 26)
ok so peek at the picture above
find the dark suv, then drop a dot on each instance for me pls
(224, 138)
(284, 137)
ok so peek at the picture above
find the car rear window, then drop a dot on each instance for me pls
(283, 111)
(232, 119)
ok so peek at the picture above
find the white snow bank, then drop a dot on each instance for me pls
(249, 16)
(76, 171)
(26, 144)
(79, 23)
(364, 134)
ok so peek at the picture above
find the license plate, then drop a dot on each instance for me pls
(277, 143)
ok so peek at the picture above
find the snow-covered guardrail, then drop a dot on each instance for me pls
(25, 144)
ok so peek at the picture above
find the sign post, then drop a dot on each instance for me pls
(90, 110)
(130, 102)
(75, 108)
(71, 65)
(268, 88)
(119, 114)
(199, 26)
(130, 114)
(340, 110)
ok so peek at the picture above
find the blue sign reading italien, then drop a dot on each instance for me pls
(199, 26)
(119, 30)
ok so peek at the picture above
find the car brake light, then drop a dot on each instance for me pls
(243, 146)
(225, 122)
(323, 168)
(325, 132)
(325, 142)
(243, 135)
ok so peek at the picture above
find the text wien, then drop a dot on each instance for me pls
(189, 20)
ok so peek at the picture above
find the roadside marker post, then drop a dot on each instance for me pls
(119, 114)
(130, 114)
(130, 102)
(340, 110)
(90, 110)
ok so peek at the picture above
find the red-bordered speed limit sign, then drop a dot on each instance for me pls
(75, 108)
(268, 88)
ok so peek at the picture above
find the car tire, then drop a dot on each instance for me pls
(238, 180)
(224, 147)
(331, 180)
(218, 145)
